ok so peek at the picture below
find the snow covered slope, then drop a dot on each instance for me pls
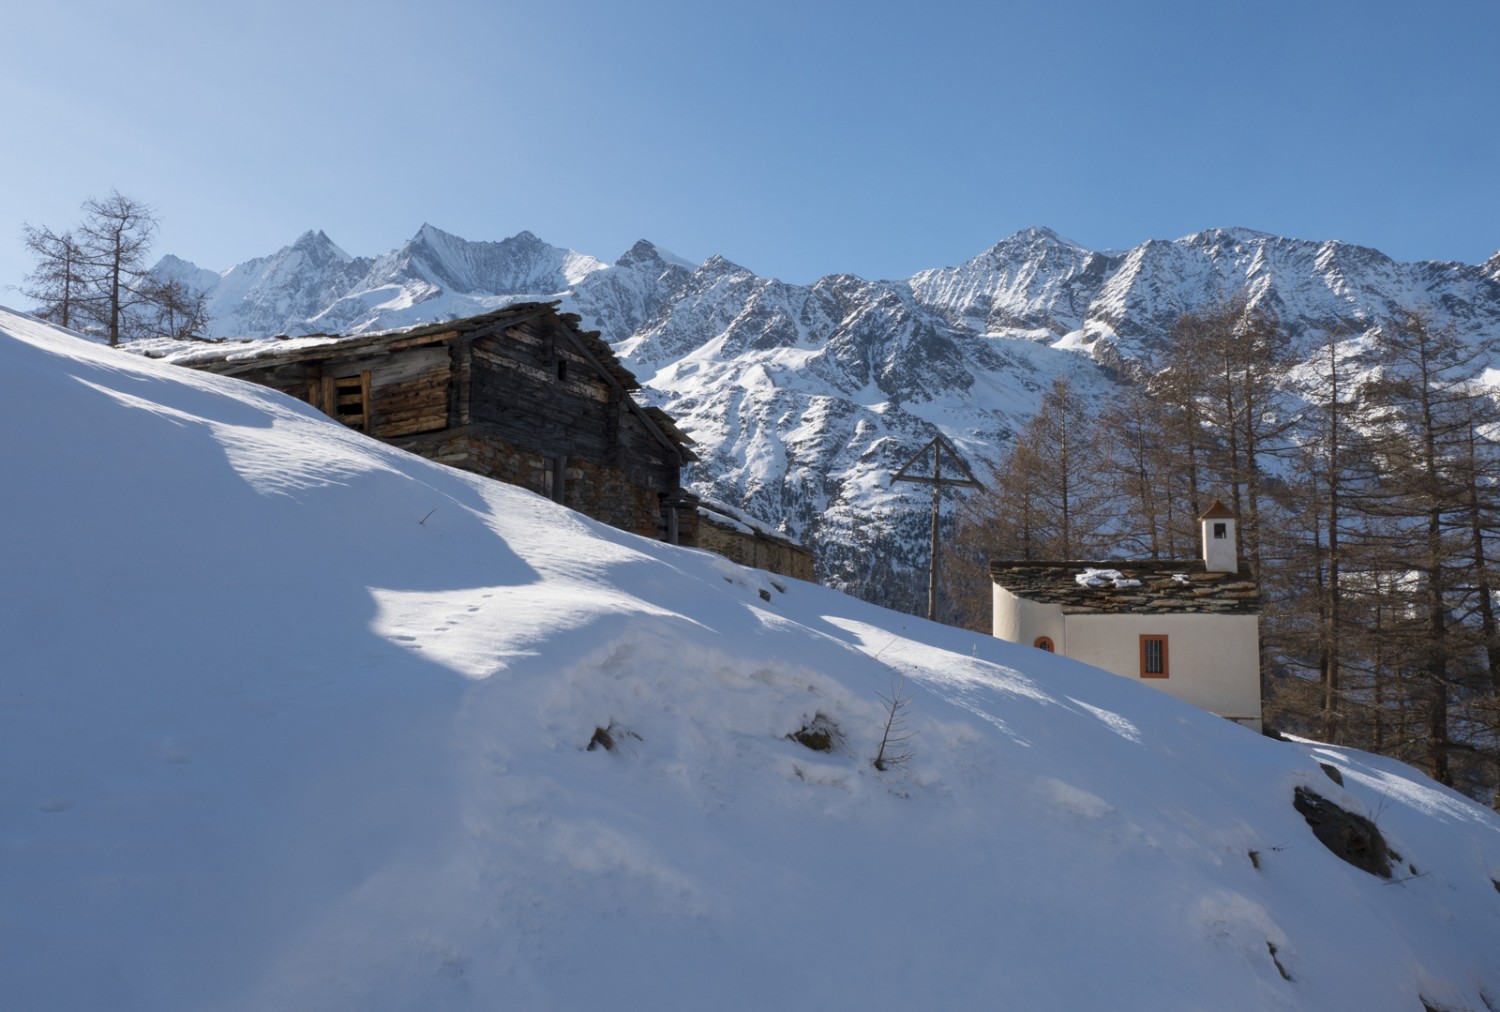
(289, 719)
(805, 398)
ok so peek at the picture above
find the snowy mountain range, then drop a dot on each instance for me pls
(805, 398)
(291, 719)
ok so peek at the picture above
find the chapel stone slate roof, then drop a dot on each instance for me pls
(1176, 587)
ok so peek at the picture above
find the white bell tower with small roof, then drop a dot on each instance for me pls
(1221, 552)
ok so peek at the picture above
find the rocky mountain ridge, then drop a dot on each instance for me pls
(805, 398)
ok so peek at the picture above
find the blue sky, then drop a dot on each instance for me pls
(797, 139)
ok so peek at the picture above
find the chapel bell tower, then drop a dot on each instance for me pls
(1220, 539)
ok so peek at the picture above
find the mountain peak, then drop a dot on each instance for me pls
(1025, 242)
(435, 238)
(316, 241)
(430, 232)
(1232, 234)
(174, 268)
(643, 252)
(1041, 233)
(718, 263)
(647, 252)
(172, 262)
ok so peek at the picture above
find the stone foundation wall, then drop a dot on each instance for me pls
(775, 555)
(601, 491)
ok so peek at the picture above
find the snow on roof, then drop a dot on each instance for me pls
(733, 516)
(1150, 587)
(1105, 578)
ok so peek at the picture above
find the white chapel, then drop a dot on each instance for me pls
(1188, 628)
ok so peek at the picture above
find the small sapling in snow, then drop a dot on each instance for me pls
(893, 751)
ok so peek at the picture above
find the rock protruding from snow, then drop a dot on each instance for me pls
(1349, 835)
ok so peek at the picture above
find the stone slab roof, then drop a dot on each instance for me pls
(231, 356)
(1144, 588)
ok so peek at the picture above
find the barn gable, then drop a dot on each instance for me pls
(520, 394)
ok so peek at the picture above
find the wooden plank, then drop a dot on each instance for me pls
(361, 413)
(458, 384)
(416, 364)
(411, 427)
(405, 343)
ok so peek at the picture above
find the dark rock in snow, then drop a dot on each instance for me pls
(1351, 837)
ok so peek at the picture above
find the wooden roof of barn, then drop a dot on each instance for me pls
(233, 358)
(238, 358)
(593, 344)
(1173, 587)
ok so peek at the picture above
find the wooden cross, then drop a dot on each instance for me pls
(938, 446)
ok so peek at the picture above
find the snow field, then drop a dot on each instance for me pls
(289, 719)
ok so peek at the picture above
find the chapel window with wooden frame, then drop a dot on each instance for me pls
(1154, 657)
(1045, 643)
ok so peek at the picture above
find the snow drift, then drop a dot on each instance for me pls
(290, 719)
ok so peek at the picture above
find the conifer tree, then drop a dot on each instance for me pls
(1225, 371)
(1146, 473)
(1422, 402)
(115, 236)
(58, 282)
(97, 274)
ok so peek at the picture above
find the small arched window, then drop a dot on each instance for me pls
(1045, 643)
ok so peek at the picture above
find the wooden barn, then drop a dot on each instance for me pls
(520, 394)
